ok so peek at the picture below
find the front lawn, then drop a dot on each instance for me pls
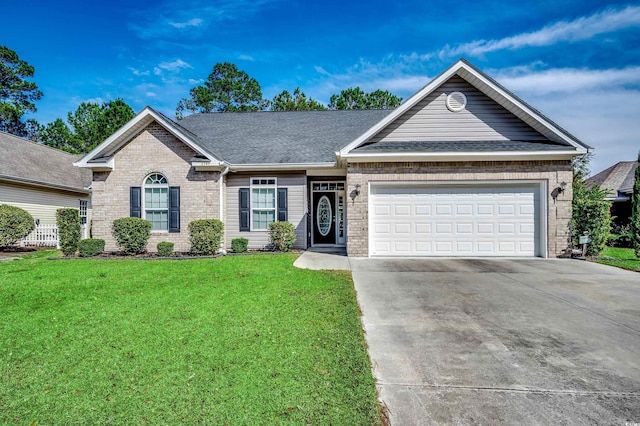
(621, 257)
(233, 340)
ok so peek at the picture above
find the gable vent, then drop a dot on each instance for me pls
(456, 101)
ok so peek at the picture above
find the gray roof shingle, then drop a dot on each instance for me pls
(27, 161)
(279, 137)
(617, 178)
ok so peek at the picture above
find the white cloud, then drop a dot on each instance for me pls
(196, 81)
(174, 66)
(321, 70)
(246, 58)
(150, 94)
(582, 28)
(137, 72)
(566, 79)
(195, 22)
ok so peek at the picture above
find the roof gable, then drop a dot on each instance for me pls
(618, 178)
(521, 121)
(101, 157)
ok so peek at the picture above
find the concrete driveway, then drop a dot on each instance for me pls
(531, 341)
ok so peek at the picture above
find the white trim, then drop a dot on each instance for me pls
(281, 166)
(273, 186)
(540, 184)
(459, 156)
(437, 82)
(123, 135)
(143, 201)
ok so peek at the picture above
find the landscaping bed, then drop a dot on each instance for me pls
(230, 340)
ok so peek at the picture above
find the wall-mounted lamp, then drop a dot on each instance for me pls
(559, 190)
(355, 192)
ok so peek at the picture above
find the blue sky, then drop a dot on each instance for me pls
(576, 61)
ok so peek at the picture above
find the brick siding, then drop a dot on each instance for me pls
(553, 172)
(153, 150)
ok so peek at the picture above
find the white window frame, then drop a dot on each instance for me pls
(269, 183)
(83, 209)
(146, 185)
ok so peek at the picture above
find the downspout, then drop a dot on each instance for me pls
(221, 191)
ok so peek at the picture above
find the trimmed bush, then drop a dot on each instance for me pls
(15, 224)
(68, 221)
(594, 217)
(90, 247)
(165, 249)
(131, 234)
(206, 235)
(239, 245)
(282, 235)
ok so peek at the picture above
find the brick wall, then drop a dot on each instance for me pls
(153, 150)
(553, 172)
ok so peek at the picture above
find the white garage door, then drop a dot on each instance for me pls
(447, 220)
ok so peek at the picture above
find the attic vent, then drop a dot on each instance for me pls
(456, 101)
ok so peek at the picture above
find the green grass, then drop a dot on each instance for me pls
(233, 340)
(624, 258)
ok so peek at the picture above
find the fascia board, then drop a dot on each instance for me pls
(460, 156)
(146, 116)
(31, 182)
(282, 166)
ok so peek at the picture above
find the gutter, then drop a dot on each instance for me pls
(44, 184)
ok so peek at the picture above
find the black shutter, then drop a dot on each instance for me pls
(282, 205)
(135, 201)
(174, 209)
(244, 210)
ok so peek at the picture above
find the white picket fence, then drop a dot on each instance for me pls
(47, 236)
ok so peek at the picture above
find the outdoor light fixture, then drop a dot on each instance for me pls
(559, 190)
(355, 192)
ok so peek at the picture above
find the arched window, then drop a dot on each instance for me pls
(156, 201)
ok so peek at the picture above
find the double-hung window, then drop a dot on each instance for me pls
(156, 202)
(263, 203)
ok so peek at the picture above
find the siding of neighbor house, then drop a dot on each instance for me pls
(154, 150)
(482, 119)
(297, 208)
(41, 203)
(552, 172)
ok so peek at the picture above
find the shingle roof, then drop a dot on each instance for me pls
(27, 161)
(279, 137)
(472, 146)
(617, 178)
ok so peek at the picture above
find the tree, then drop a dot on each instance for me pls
(590, 212)
(298, 102)
(227, 89)
(356, 98)
(17, 95)
(89, 125)
(635, 210)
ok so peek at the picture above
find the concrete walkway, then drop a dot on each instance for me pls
(323, 261)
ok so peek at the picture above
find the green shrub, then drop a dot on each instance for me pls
(621, 236)
(206, 235)
(90, 247)
(15, 224)
(282, 235)
(239, 245)
(165, 249)
(131, 234)
(594, 217)
(68, 221)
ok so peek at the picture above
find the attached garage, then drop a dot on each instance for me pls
(487, 219)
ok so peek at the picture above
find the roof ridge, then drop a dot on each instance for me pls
(22, 139)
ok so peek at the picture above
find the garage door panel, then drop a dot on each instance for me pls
(455, 220)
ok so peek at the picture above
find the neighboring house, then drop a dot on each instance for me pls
(461, 168)
(618, 180)
(41, 179)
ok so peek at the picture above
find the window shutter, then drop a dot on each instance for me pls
(244, 210)
(282, 205)
(174, 209)
(135, 201)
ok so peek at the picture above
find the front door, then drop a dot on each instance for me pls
(324, 217)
